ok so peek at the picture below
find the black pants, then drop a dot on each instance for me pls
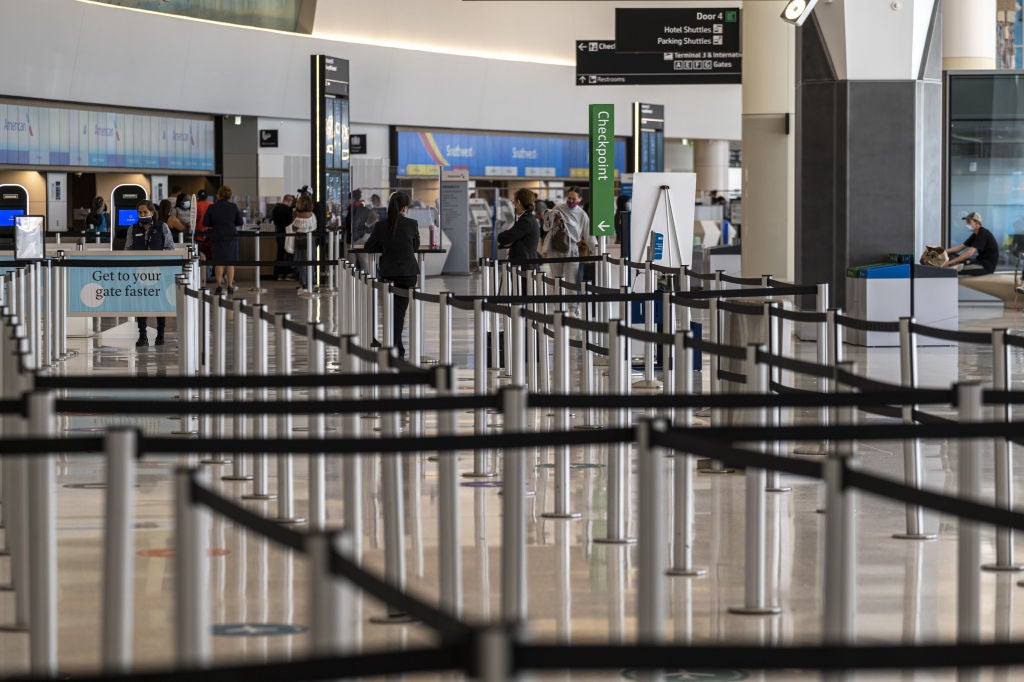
(161, 322)
(282, 270)
(973, 269)
(400, 305)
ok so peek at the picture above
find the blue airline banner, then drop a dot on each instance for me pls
(133, 289)
(424, 152)
(54, 136)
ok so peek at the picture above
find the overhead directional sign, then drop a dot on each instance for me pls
(599, 63)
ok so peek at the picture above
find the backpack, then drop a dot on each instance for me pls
(558, 233)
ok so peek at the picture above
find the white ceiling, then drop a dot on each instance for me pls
(531, 30)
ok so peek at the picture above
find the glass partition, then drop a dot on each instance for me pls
(985, 157)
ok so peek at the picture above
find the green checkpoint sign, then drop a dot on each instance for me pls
(602, 169)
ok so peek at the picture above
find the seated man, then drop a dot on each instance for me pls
(979, 253)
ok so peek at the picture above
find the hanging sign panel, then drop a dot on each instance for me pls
(599, 63)
(698, 42)
(602, 169)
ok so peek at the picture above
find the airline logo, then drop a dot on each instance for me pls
(18, 126)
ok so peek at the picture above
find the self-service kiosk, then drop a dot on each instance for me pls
(13, 203)
(124, 213)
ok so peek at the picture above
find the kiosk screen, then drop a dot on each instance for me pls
(7, 216)
(126, 217)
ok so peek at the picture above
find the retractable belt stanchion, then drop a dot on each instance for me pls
(50, 327)
(42, 550)
(651, 542)
(968, 592)
(218, 341)
(668, 357)
(16, 498)
(825, 340)
(587, 363)
(912, 468)
(206, 421)
(561, 491)
(715, 415)
(120, 447)
(649, 381)
(479, 387)
(618, 455)
(840, 585)
(191, 575)
(1003, 455)
(544, 369)
(62, 307)
(257, 289)
(513, 511)
(240, 349)
(449, 547)
(317, 431)
(352, 466)
(260, 485)
(775, 413)
(682, 469)
(330, 598)
(285, 461)
(755, 602)
(386, 294)
(393, 502)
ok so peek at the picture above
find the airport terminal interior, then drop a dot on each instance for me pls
(745, 432)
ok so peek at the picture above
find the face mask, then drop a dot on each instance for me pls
(572, 204)
(187, 204)
(146, 221)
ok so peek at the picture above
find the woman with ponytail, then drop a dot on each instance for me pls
(397, 239)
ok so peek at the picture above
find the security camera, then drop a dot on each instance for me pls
(797, 11)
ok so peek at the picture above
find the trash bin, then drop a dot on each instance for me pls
(879, 292)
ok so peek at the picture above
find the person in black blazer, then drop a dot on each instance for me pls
(397, 239)
(522, 238)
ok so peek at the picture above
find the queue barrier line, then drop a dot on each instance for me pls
(250, 520)
(282, 407)
(741, 308)
(981, 338)
(422, 376)
(734, 377)
(867, 325)
(799, 315)
(742, 281)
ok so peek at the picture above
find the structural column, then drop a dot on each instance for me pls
(968, 34)
(711, 163)
(869, 135)
(768, 141)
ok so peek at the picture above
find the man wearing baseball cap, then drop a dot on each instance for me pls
(979, 253)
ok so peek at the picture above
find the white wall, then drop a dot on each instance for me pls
(221, 69)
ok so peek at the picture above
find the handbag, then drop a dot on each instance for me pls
(584, 248)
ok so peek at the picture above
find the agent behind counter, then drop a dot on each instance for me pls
(979, 253)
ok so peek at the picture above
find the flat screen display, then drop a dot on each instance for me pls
(7, 215)
(126, 217)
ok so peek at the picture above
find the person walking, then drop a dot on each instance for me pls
(397, 239)
(282, 216)
(576, 223)
(149, 234)
(223, 220)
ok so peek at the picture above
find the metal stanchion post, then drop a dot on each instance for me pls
(755, 601)
(16, 499)
(218, 324)
(840, 585)
(387, 339)
(649, 381)
(317, 431)
(48, 313)
(513, 511)
(825, 340)
(450, 548)
(257, 288)
(352, 466)
(393, 503)
(1003, 455)
(912, 467)
(682, 471)
(561, 491)
(42, 549)
(775, 413)
(260, 485)
(285, 462)
(618, 456)
(330, 600)
(191, 569)
(240, 348)
(715, 415)
(120, 447)
(480, 386)
(968, 593)
(651, 542)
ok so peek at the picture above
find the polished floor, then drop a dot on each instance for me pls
(579, 590)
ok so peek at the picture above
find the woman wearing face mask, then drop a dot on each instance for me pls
(165, 214)
(183, 210)
(577, 223)
(149, 234)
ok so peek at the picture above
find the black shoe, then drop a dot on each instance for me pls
(401, 352)
(143, 341)
(231, 290)
(218, 292)
(159, 341)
